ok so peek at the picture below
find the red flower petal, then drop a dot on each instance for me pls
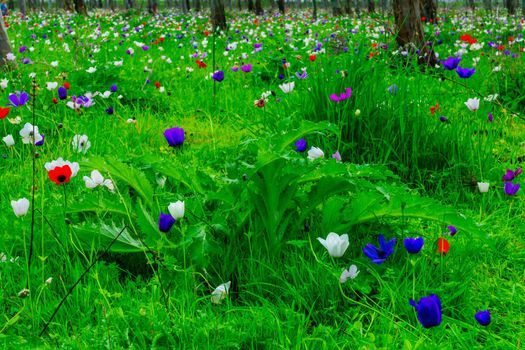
(60, 174)
(4, 112)
(443, 246)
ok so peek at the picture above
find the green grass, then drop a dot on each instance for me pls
(255, 206)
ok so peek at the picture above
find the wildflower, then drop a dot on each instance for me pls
(452, 229)
(451, 63)
(30, 134)
(49, 280)
(174, 136)
(315, 153)
(260, 103)
(345, 95)
(443, 119)
(379, 255)
(337, 156)
(312, 58)
(166, 221)
(176, 209)
(465, 72)
(351, 273)
(220, 292)
(60, 171)
(20, 206)
(483, 187)
(3, 83)
(428, 310)
(62, 93)
(413, 245)
(335, 244)
(19, 99)
(23, 293)
(443, 246)
(490, 117)
(300, 145)
(109, 110)
(472, 104)
(393, 89)
(511, 189)
(483, 317)
(510, 175)
(357, 112)
(9, 140)
(91, 70)
(81, 143)
(218, 76)
(287, 87)
(302, 75)
(97, 179)
(434, 109)
(51, 85)
(113, 88)
(246, 68)
(41, 142)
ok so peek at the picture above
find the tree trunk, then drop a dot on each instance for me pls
(280, 4)
(523, 7)
(22, 7)
(336, 8)
(429, 10)
(315, 8)
(258, 8)
(348, 7)
(152, 7)
(80, 8)
(407, 14)
(487, 4)
(218, 16)
(197, 5)
(371, 6)
(511, 6)
(471, 4)
(250, 5)
(239, 5)
(5, 48)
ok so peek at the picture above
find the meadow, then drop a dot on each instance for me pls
(288, 183)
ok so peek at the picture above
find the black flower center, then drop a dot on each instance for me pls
(62, 178)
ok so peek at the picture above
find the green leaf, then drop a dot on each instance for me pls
(124, 173)
(103, 234)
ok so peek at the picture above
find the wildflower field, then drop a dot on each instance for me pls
(286, 183)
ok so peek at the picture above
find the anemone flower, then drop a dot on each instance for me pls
(351, 273)
(30, 134)
(511, 189)
(451, 63)
(220, 293)
(343, 96)
(218, 76)
(20, 206)
(61, 171)
(378, 255)
(335, 244)
(428, 310)
(483, 317)
(301, 145)
(465, 72)
(19, 99)
(176, 210)
(97, 179)
(81, 143)
(166, 221)
(174, 136)
(413, 245)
